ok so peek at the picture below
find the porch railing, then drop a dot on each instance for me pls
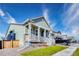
(26, 31)
(34, 38)
(42, 39)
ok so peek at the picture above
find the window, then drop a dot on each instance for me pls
(36, 32)
(42, 32)
(27, 26)
(47, 33)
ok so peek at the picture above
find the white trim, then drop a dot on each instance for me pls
(44, 33)
(38, 33)
(29, 31)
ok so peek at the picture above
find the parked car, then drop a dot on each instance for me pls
(61, 40)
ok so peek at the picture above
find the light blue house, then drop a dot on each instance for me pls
(33, 30)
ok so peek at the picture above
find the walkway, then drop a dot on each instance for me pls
(14, 51)
(67, 52)
(9, 52)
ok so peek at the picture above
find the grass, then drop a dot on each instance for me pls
(43, 51)
(76, 53)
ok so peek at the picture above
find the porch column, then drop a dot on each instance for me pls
(39, 33)
(29, 32)
(51, 40)
(49, 34)
(44, 33)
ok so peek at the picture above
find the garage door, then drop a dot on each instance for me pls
(7, 44)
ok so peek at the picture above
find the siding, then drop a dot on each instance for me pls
(20, 31)
(41, 23)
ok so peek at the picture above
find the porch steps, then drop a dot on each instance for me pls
(34, 45)
(39, 44)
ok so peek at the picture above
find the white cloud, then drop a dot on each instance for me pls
(10, 19)
(7, 17)
(53, 24)
(71, 18)
(1, 13)
(75, 30)
(46, 15)
(69, 12)
(2, 35)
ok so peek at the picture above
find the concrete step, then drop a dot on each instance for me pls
(44, 44)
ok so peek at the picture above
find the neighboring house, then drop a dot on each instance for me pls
(32, 30)
(57, 34)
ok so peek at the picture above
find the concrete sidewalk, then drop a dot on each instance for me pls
(67, 52)
(9, 52)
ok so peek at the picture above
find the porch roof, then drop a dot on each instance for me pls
(40, 27)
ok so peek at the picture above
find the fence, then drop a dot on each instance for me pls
(9, 44)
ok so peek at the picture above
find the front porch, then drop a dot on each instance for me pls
(37, 34)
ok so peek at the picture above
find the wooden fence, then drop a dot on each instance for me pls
(9, 44)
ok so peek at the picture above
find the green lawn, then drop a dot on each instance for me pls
(76, 53)
(43, 51)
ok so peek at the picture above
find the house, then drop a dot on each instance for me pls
(35, 30)
(57, 34)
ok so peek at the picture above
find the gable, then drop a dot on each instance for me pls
(41, 22)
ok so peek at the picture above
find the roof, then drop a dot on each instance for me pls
(41, 17)
(16, 24)
(28, 20)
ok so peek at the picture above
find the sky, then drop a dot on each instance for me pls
(61, 17)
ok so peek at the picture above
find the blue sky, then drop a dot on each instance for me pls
(61, 17)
